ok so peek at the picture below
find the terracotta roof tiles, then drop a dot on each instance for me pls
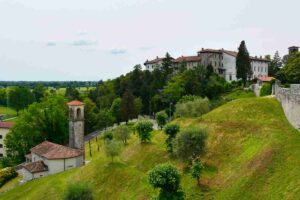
(6, 124)
(188, 59)
(75, 103)
(35, 167)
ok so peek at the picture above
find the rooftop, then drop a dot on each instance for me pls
(154, 61)
(53, 151)
(265, 78)
(35, 167)
(6, 124)
(188, 59)
(75, 103)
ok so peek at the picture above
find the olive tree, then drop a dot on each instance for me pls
(144, 129)
(171, 131)
(122, 133)
(197, 168)
(161, 118)
(112, 148)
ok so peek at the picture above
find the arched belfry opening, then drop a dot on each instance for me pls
(78, 114)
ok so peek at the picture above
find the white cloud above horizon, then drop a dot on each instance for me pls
(98, 39)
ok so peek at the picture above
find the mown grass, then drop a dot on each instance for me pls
(7, 112)
(252, 153)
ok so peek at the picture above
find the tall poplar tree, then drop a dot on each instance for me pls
(243, 66)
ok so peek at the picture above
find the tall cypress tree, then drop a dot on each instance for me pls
(243, 66)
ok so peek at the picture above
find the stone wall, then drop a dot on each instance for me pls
(290, 101)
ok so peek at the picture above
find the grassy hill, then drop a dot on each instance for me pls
(253, 153)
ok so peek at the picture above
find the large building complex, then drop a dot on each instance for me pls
(4, 129)
(223, 62)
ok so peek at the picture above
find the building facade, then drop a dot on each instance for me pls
(4, 129)
(155, 63)
(50, 158)
(224, 63)
(188, 62)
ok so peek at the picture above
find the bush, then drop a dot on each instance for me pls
(161, 118)
(190, 143)
(107, 135)
(122, 133)
(194, 108)
(266, 90)
(79, 191)
(171, 131)
(167, 179)
(7, 174)
(197, 168)
(144, 129)
(112, 148)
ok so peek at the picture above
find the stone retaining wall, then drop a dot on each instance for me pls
(290, 101)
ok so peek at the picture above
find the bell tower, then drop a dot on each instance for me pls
(76, 124)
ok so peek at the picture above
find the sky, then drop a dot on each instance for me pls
(52, 40)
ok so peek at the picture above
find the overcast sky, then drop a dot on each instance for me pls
(101, 39)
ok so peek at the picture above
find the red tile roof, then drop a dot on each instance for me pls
(155, 61)
(188, 59)
(265, 78)
(53, 151)
(35, 167)
(75, 103)
(231, 53)
(6, 124)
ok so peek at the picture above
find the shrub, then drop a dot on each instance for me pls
(197, 168)
(144, 129)
(107, 135)
(167, 179)
(190, 143)
(112, 148)
(266, 90)
(79, 191)
(7, 174)
(171, 131)
(161, 118)
(194, 108)
(122, 133)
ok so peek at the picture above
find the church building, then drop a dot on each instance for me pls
(50, 158)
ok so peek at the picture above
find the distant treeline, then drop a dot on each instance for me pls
(54, 84)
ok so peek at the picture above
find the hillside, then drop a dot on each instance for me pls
(253, 153)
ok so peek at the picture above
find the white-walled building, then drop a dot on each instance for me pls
(224, 63)
(188, 61)
(50, 158)
(155, 63)
(4, 129)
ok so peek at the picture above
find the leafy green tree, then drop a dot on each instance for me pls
(190, 143)
(243, 66)
(292, 69)
(45, 120)
(104, 119)
(107, 135)
(167, 179)
(19, 98)
(112, 148)
(144, 129)
(72, 93)
(39, 92)
(127, 106)
(215, 86)
(174, 89)
(275, 65)
(266, 90)
(195, 108)
(90, 116)
(161, 118)
(115, 110)
(122, 133)
(167, 64)
(197, 168)
(138, 106)
(171, 131)
(3, 97)
(209, 70)
(79, 191)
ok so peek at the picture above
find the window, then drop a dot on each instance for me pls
(1, 136)
(1, 155)
(1, 145)
(230, 77)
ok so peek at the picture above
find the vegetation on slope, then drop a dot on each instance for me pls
(252, 153)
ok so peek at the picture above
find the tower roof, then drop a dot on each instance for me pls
(75, 103)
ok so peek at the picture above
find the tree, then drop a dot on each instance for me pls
(122, 133)
(107, 135)
(144, 129)
(171, 131)
(45, 120)
(161, 118)
(115, 110)
(127, 106)
(275, 64)
(72, 93)
(19, 98)
(292, 69)
(112, 148)
(195, 108)
(167, 64)
(190, 143)
(79, 191)
(90, 115)
(243, 66)
(209, 70)
(104, 119)
(138, 106)
(167, 179)
(197, 168)
(39, 92)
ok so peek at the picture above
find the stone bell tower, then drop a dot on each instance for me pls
(76, 124)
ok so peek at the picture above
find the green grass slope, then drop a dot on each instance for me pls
(252, 153)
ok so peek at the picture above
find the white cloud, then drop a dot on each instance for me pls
(83, 43)
(118, 51)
